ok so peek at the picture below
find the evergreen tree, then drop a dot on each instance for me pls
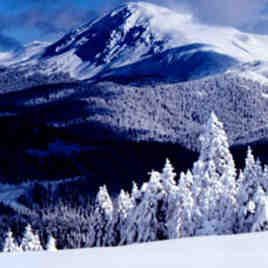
(120, 220)
(135, 193)
(252, 174)
(207, 205)
(101, 220)
(180, 222)
(147, 219)
(9, 244)
(130, 234)
(249, 182)
(264, 179)
(169, 202)
(185, 206)
(148, 223)
(30, 241)
(260, 218)
(214, 187)
(215, 147)
(168, 177)
(51, 244)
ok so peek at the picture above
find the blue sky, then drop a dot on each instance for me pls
(22, 21)
(45, 20)
(17, 5)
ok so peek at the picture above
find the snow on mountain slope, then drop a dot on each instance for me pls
(28, 53)
(256, 71)
(182, 64)
(245, 251)
(138, 31)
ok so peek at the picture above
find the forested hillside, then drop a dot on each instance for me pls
(214, 198)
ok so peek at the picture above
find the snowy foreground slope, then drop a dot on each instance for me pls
(229, 251)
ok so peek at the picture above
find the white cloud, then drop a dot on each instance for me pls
(222, 12)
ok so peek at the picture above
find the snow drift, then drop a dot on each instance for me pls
(229, 251)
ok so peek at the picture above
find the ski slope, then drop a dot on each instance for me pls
(245, 251)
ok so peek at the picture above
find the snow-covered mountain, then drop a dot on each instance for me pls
(137, 40)
(145, 39)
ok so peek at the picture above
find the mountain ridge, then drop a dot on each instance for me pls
(136, 32)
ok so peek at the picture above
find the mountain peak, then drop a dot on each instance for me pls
(158, 16)
(140, 5)
(138, 29)
(145, 33)
(148, 7)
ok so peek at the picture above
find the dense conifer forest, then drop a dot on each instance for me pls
(214, 198)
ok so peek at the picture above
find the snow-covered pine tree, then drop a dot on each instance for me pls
(205, 216)
(168, 177)
(260, 217)
(264, 179)
(135, 193)
(130, 234)
(120, 219)
(249, 182)
(181, 221)
(30, 241)
(215, 147)
(51, 244)
(147, 219)
(214, 186)
(252, 174)
(101, 220)
(10, 245)
(169, 203)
